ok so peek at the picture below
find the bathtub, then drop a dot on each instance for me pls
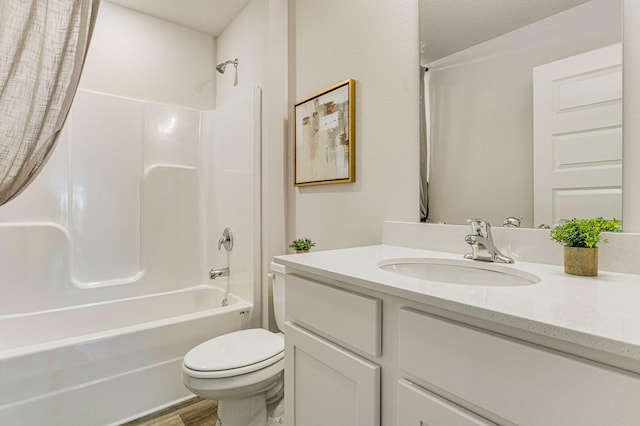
(109, 362)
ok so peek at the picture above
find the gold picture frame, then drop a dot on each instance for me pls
(324, 147)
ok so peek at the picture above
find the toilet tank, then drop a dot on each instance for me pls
(278, 272)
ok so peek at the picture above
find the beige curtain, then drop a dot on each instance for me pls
(43, 44)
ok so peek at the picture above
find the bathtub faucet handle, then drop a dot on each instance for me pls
(226, 240)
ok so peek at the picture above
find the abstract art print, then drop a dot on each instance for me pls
(325, 136)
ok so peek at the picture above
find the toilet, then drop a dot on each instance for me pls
(243, 370)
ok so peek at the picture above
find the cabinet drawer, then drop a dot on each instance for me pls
(519, 382)
(351, 319)
(418, 407)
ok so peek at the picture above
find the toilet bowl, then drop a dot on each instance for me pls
(243, 370)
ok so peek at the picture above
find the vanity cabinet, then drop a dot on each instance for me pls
(430, 368)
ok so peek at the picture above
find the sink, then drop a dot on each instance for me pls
(454, 271)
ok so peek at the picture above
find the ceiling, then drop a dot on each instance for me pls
(448, 26)
(207, 16)
(465, 22)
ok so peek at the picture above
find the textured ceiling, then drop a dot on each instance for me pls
(207, 16)
(448, 26)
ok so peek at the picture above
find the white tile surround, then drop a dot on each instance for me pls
(621, 254)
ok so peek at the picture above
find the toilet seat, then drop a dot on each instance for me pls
(234, 354)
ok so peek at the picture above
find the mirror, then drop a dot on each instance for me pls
(481, 151)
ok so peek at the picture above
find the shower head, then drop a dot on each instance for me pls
(220, 67)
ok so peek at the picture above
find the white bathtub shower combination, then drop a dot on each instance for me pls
(104, 258)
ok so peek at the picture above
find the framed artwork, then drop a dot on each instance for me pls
(325, 136)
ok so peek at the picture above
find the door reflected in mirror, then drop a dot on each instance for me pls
(501, 146)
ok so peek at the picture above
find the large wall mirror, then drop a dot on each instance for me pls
(522, 109)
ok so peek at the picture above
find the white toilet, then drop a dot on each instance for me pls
(243, 370)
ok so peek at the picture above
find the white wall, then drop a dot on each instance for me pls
(244, 38)
(138, 56)
(482, 113)
(376, 44)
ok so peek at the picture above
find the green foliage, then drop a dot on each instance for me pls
(584, 232)
(302, 244)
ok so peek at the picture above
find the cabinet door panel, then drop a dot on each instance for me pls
(325, 384)
(419, 407)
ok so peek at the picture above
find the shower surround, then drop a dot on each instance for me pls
(104, 258)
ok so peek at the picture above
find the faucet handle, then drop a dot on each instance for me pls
(512, 222)
(480, 227)
(226, 240)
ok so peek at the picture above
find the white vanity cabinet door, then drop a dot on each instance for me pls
(419, 407)
(327, 385)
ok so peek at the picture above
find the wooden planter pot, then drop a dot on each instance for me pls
(581, 261)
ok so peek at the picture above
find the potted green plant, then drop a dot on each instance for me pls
(302, 245)
(580, 238)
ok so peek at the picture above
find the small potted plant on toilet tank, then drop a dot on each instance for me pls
(580, 238)
(302, 245)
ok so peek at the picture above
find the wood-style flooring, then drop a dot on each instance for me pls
(193, 412)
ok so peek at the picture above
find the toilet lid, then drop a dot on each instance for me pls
(234, 350)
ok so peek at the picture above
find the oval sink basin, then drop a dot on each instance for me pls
(454, 271)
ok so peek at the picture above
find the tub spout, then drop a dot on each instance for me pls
(215, 273)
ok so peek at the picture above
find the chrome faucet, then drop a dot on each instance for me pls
(215, 273)
(226, 240)
(481, 242)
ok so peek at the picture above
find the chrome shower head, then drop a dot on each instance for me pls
(220, 67)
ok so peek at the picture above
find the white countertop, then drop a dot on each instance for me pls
(601, 313)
